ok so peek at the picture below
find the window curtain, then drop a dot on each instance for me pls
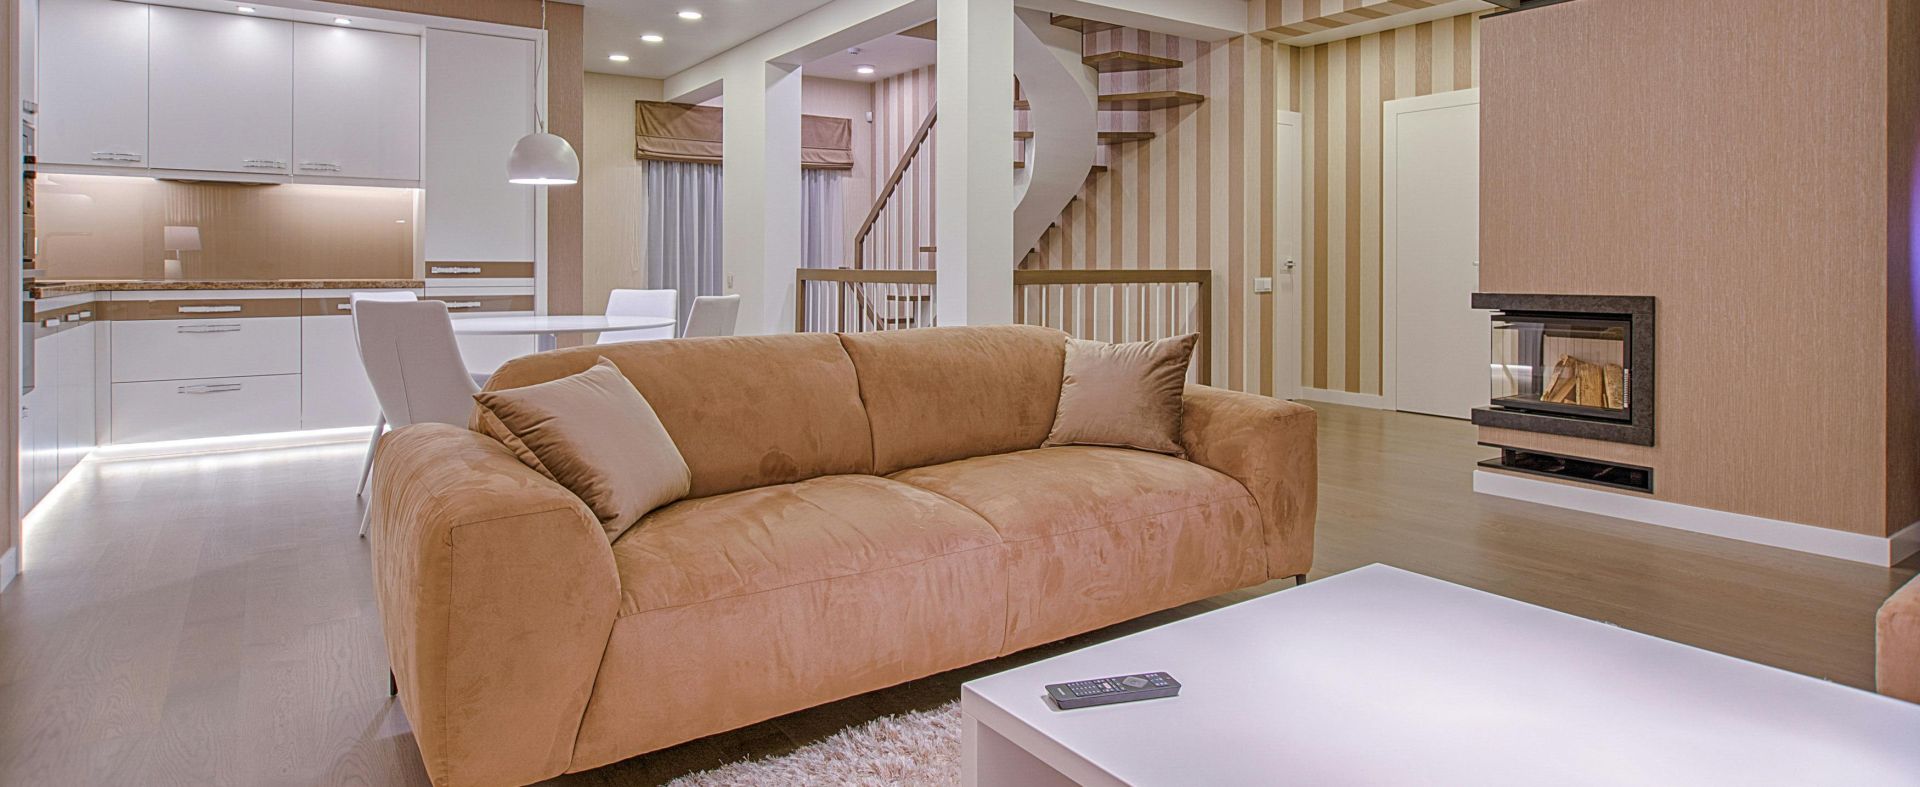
(822, 238)
(683, 229)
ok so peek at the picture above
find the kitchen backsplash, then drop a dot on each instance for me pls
(111, 227)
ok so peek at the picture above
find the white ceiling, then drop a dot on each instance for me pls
(889, 55)
(615, 26)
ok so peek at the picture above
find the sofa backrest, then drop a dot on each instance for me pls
(939, 394)
(745, 411)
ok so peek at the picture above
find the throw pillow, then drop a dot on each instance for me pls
(596, 435)
(1124, 395)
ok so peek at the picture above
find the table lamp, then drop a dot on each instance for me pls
(177, 239)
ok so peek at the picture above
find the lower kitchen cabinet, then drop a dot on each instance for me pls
(205, 407)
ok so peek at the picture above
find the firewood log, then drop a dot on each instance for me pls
(1592, 389)
(1560, 386)
(1616, 397)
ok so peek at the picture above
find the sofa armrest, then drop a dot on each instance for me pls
(1270, 446)
(1898, 637)
(497, 593)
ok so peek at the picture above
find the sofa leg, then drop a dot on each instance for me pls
(393, 686)
(1299, 579)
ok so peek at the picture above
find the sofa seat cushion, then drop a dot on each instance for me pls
(1098, 535)
(763, 539)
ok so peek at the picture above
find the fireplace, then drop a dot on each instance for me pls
(1575, 365)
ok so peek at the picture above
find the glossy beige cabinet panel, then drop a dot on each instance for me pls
(221, 92)
(356, 103)
(93, 83)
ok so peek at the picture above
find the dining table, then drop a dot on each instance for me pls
(549, 327)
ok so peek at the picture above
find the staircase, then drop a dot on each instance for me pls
(1058, 147)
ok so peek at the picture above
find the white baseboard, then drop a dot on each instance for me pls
(1348, 398)
(1857, 547)
(9, 566)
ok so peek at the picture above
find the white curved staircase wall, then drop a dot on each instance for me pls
(1062, 94)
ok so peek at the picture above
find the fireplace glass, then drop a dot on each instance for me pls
(1564, 364)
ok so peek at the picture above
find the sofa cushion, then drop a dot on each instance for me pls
(1124, 395)
(1098, 535)
(939, 394)
(745, 411)
(773, 537)
(596, 436)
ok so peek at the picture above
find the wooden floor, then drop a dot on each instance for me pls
(209, 620)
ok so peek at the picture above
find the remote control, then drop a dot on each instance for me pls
(1106, 691)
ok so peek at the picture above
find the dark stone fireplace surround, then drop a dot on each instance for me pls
(1638, 309)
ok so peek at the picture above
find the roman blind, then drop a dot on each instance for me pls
(665, 131)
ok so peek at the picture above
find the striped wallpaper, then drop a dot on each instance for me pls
(1199, 194)
(1287, 19)
(1343, 84)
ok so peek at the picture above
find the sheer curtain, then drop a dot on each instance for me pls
(683, 229)
(823, 237)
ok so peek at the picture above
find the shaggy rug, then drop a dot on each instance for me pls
(921, 748)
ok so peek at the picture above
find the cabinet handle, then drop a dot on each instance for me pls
(53, 323)
(454, 269)
(224, 327)
(462, 304)
(320, 166)
(209, 389)
(345, 307)
(210, 309)
(261, 163)
(105, 155)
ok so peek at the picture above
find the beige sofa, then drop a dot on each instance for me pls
(1899, 642)
(866, 510)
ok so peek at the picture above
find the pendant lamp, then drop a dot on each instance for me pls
(540, 158)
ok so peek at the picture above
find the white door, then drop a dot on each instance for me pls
(356, 103)
(1430, 244)
(93, 83)
(1286, 269)
(480, 93)
(221, 92)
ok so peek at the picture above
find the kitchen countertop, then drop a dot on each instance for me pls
(47, 289)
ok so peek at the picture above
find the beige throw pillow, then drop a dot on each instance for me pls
(1124, 395)
(596, 435)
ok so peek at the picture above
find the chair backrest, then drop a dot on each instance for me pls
(414, 363)
(713, 315)
(354, 299)
(642, 303)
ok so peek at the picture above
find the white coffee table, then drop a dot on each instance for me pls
(1381, 676)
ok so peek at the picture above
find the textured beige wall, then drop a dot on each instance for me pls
(1739, 172)
(615, 241)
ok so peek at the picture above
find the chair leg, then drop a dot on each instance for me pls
(365, 519)
(393, 686)
(366, 467)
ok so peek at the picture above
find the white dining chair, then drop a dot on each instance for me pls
(664, 304)
(379, 425)
(713, 315)
(414, 364)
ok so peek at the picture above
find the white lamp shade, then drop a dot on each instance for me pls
(179, 238)
(543, 159)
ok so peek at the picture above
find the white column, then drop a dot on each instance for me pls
(760, 221)
(973, 156)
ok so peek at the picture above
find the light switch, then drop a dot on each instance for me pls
(1262, 284)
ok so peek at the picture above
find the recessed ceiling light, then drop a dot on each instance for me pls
(689, 15)
(652, 38)
(341, 20)
(863, 69)
(245, 9)
(618, 58)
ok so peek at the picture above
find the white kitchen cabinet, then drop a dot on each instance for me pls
(187, 349)
(480, 94)
(75, 373)
(334, 391)
(93, 83)
(215, 407)
(356, 103)
(221, 92)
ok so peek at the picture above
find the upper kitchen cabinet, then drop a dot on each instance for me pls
(480, 94)
(93, 83)
(356, 103)
(220, 92)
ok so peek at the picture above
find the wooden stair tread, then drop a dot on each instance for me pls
(1152, 99)
(910, 298)
(1115, 62)
(929, 249)
(1106, 137)
(1081, 24)
(1020, 104)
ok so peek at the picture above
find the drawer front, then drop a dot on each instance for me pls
(187, 349)
(213, 407)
